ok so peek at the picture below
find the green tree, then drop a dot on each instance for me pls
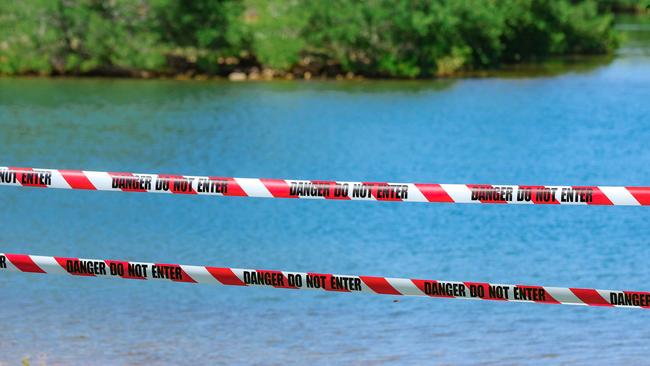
(199, 33)
(376, 38)
(77, 36)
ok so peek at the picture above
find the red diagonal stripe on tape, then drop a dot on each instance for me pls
(641, 194)
(590, 297)
(592, 195)
(77, 179)
(74, 266)
(232, 188)
(434, 192)
(128, 181)
(124, 270)
(379, 285)
(536, 294)
(172, 272)
(27, 177)
(226, 276)
(279, 188)
(431, 288)
(177, 183)
(24, 263)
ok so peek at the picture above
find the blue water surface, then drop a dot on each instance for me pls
(580, 128)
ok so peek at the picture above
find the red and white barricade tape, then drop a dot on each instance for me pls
(333, 190)
(322, 281)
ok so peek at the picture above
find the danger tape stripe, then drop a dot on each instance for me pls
(321, 281)
(317, 189)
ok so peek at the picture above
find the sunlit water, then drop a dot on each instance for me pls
(587, 127)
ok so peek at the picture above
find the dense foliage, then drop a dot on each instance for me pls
(386, 38)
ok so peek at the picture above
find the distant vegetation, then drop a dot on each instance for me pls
(302, 38)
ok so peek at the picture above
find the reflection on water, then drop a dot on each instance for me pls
(554, 67)
(636, 32)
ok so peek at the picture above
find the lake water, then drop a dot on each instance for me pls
(588, 126)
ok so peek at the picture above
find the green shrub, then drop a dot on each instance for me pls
(384, 38)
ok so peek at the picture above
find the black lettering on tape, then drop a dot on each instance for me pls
(524, 194)
(82, 267)
(341, 190)
(137, 270)
(264, 278)
(117, 269)
(211, 186)
(529, 293)
(392, 192)
(576, 195)
(294, 280)
(491, 194)
(476, 291)
(36, 178)
(7, 176)
(629, 299)
(315, 281)
(361, 191)
(545, 195)
(309, 189)
(3, 261)
(162, 184)
(166, 272)
(345, 283)
(498, 292)
(182, 185)
(132, 182)
(444, 289)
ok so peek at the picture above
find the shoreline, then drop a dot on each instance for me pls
(549, 67)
